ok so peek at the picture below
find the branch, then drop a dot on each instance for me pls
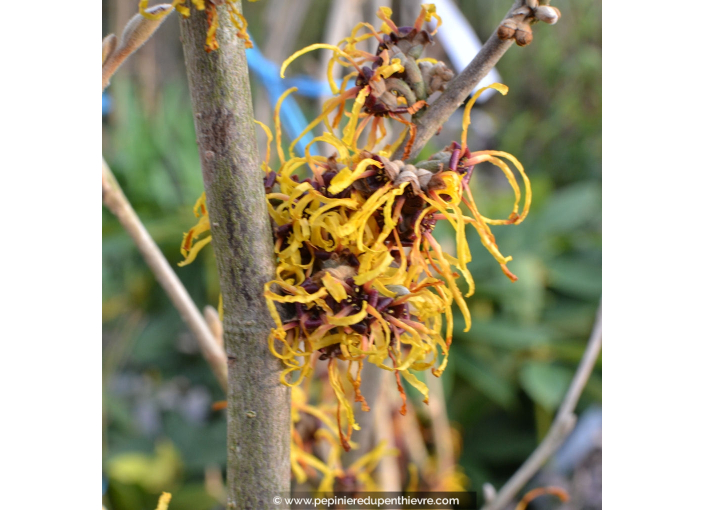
(412, 437)
(389, 474)
(440, 424)
(562, 425)
(116, 201)
(137, 31)
(458, 90)
(258, 405)
(371, 388)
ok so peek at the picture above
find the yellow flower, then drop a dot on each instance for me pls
(210, 7)
(164, 501)
(388, 84)
(359, 276)
(305, 465)
(188, 249)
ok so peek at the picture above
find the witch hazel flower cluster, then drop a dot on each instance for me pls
(361, 280)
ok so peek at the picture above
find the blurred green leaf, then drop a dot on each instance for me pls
(545, 383)
(575, 277)
(125, 496)
(192, 496)
(502, 442)
(507, 335)
(570, 208)
(209, 450)
(485, 380)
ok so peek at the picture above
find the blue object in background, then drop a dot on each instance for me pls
(580, 442)
(107, 104)
(292, 118)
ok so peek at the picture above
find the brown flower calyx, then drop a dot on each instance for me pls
(517, 24)
(435, 76)
(396, 172)
(417, 81)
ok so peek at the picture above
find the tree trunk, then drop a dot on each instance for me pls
(258, 412)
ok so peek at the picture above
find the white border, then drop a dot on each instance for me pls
(51, 257)
(652, 174)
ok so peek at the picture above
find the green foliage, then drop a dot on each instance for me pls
(157, 384)
(512, 369)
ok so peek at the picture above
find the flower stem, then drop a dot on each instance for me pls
(457, 91)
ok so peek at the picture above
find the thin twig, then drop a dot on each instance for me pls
(389, 475)
(116, 201)
(458, 90)
(212, 318)
(562, 425)
(440, 423)
(412, 436)
(370, 388)
(137, 31)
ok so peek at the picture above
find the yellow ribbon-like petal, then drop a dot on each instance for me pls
(500, 87)
(345, 178)
(335, 288)
(350, 319)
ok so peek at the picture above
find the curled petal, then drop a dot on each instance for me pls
(350, 319)
(500, 87)
(312, 47)
(335, 288)
(194, 251)
(345, 178)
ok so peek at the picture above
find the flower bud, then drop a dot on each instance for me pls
(139, 29)
(392, 169)
(109, 44)
(524, 34)
(548, 14)
(507, 29)
(522, 11)
(408, 176)
(424, 177)
(341, 272)
(399, 290)
(136, 32)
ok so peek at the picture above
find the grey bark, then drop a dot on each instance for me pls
(258, 412)
(370, 388)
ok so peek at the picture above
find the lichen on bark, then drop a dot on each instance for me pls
(258, 414)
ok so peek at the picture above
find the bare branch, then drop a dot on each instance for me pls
(458, 90)
(371, 387)
(215, 325)
(137, 31)
(389, 474)
(413, 437)
(258, 405)
(442, 433)
(562, 425)
(116, 201)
